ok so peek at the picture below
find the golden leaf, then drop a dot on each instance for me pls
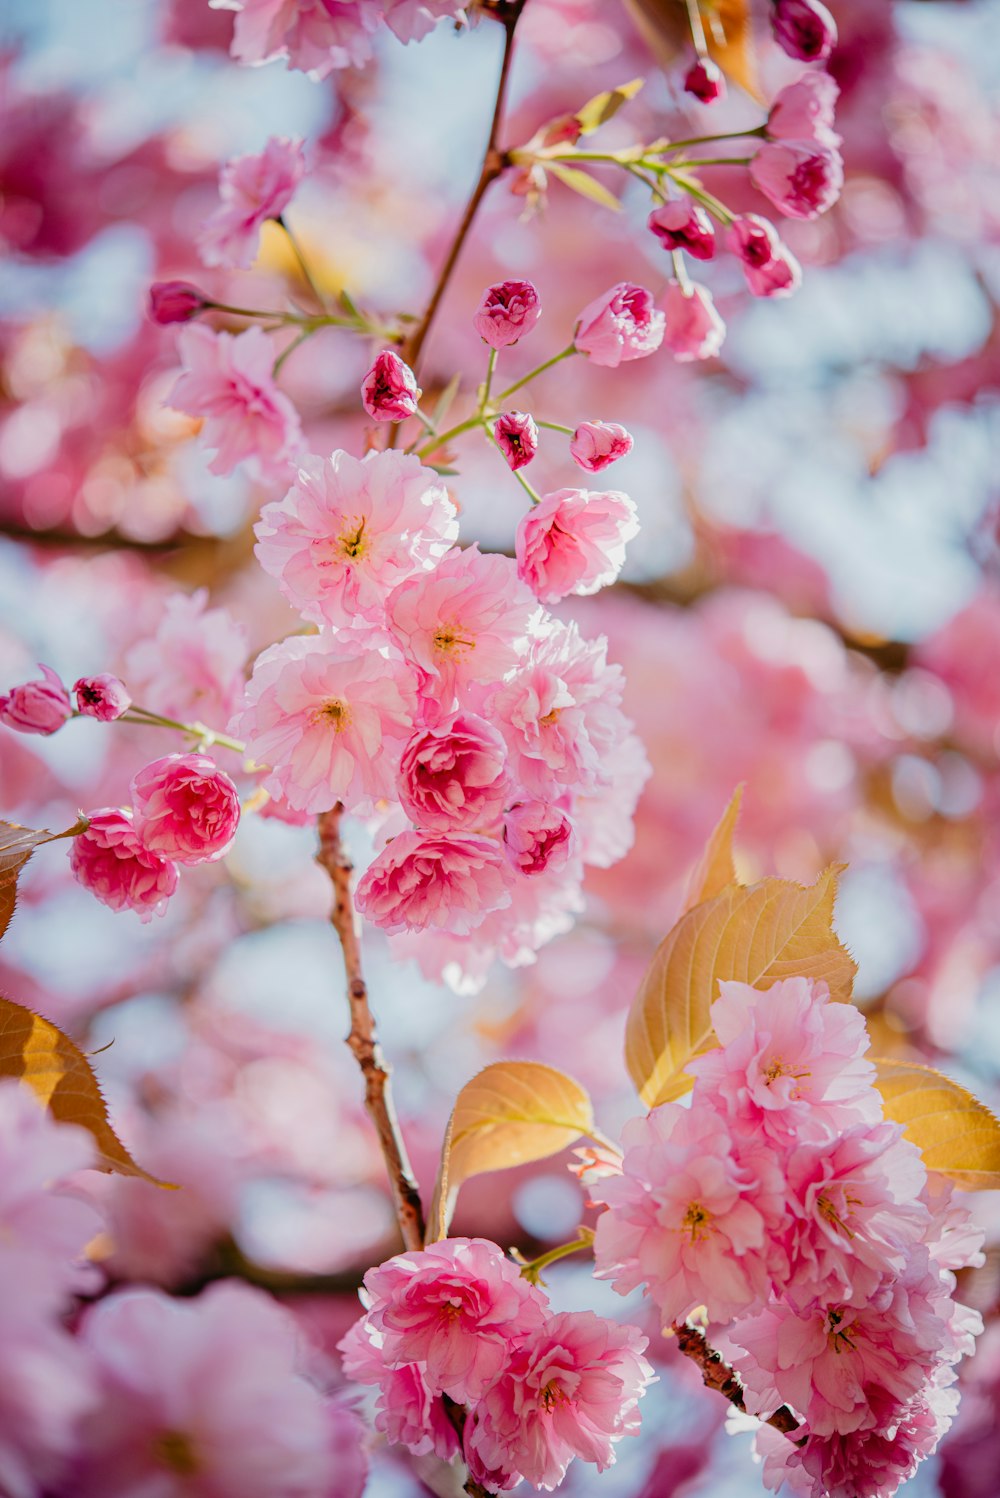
(603, 107)
(715, 868)
(16, 846)
(755, 934)
(956, 1133)
(584, 184)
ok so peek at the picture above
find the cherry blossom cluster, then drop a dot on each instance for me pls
(320, 36)
(783, 1203)
(468, 1357)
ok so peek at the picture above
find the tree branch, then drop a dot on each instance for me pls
(717, 1374)
(363, 1038)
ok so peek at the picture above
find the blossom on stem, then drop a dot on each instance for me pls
(39, 706)
(185, 808)
(516, 435)
(620, 325)
(801, 178)
(537, 836)
(454, 776)
(694, 329)
(110, 860)
(103, 697)
(804, 29)
(683, 225)
(315, 36)
(507, 312)
(705, 80)
(448, 882)
(389, 391)
(406, 1413)
(803, 111)
(574, 542)
(175, 301)
(769, 267)
(252, 189)
(597, 444)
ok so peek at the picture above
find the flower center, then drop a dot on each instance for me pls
(334, 712)
(173, 1449)
(839, 1341)
(448, 640)
(827, 1210)
(352, 542)
(553, 1395)
(778, 1067)
(697, 1221)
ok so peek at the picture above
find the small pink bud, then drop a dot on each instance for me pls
(175, 301)
(802, 178)
(39, 706)
(804, 111)
(507, 312)
(804, 29)
(694, 328)
(389, 391)
(704, 80)
(683, 225)
(769, 267)
(103, 697)
(517, 438)
(185, 808)
(537, 836)
(622, 324)
(596, 444)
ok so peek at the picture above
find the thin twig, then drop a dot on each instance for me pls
(716, 1374)
(363, 1038)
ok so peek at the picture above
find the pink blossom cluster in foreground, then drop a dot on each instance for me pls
(459, 1320)
(808, 1227)
(319, 36)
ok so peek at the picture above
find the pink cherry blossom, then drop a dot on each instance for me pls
(412, 20)
(694, 329)
(349, 530)
(175, 301)
(622, 324)
(574, 542)
(506, 313)
(803, 111)
(571, 1390)
(329, 719)
(604, 814)
(252, 189)
(684, 225)
(109, 859)
(407, 1413)
(769, 266)
(40, 706)
(227, 380)
(453, 776)
(315, 36)
(202, 1395)
(103, 697)
(46, 1387)
(804, 29)
(537, 836)
(421, 880)
(185, 808)
(389, 391)
(516, 435)
(705, 80)
(597, 444)
(192, 668)
(802, 178)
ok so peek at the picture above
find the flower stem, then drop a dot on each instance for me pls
(706, 140)
(303, 264)
(491, 365)
(532, 1270)
(554, 426)
(198, 731)
(534, 373)
(441, 438)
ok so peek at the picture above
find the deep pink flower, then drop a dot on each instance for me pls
(103, 697)
(349, 530)
(40, 706)
(185, 808)
(804, 29)
(684, 225)
(329, 718)
(597, 444)
(572, 1390)
(192, 668)
(315, 36)
(252, 189)
(769, 267)
(506, 313)
(175, 301)
(110, 861)
(421, 880)
(574, 542)
(227, 380)
(705, 80)
(802, 178)
(803, 111)
(537, 836)
(516, 436)
(203, 1396)
(454, 776)
(621, 324)
(407, 1413)
(694, 329)
(389, 391)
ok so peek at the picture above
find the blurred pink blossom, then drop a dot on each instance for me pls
(802, 178)
(252, 189)
(769, 267)
(694, 329)
(684, 225)
(40, 706)
(804, 29)
(622, 324)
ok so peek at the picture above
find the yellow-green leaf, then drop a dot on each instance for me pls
(715, 868)
(603, 107)
(756, 934)
(583, 183)
(16, 846)
(510, 1113)
(956, 1133)
(37, 1053)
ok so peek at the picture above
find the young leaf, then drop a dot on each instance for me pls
(36, 1052)
(953, 1130)
(715, 868)
(16, 846)
(510, 1113)
(603, 107)
(666, 26)
(753, 933)
(584, 184)
(445, 399)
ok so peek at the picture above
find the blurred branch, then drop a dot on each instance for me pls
(717, 1374)
(363, 1037)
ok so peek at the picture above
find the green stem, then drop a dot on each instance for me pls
(491, 365)
(532, 494)
(706, 140)
(533, 1269)
(554, 426)
(198, 731)
(441, 438)
(428, 421)
(680, 271)
(303, 264)
(534, 373)
(287, 352)
(707, 200)
(714, 161)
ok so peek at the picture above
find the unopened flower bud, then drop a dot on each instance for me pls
(694, 328)
(596, 444)
(537, 836)
(389, 391)
(175, 301)
(769, 266)
(103, 697)
(684, 225)
(622, 324)
(802, 178)
(39, 706)
(804, 29)
(704, 80)
(507, 312)
(517, 438)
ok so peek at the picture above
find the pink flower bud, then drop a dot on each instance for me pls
(507, 312)
(684, 225)
(453, 776)
(596, 444)
(186, 808)
(694, 328)
(517, 438)
(704, 80)
(769, 267)
(110, 861)
(573, 542)
(175, 301)
(804, 111)
(390, 391)
(622, 324)
(802, 178)
(537, 836)
(103, 697)
(804, 29)
(36, 706)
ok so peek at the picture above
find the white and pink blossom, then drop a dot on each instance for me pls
(447, 882)
(252, 189)
(574, 541)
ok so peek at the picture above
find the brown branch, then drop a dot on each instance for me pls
(363, 1038)
(717, 1374)
(458, 1415)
